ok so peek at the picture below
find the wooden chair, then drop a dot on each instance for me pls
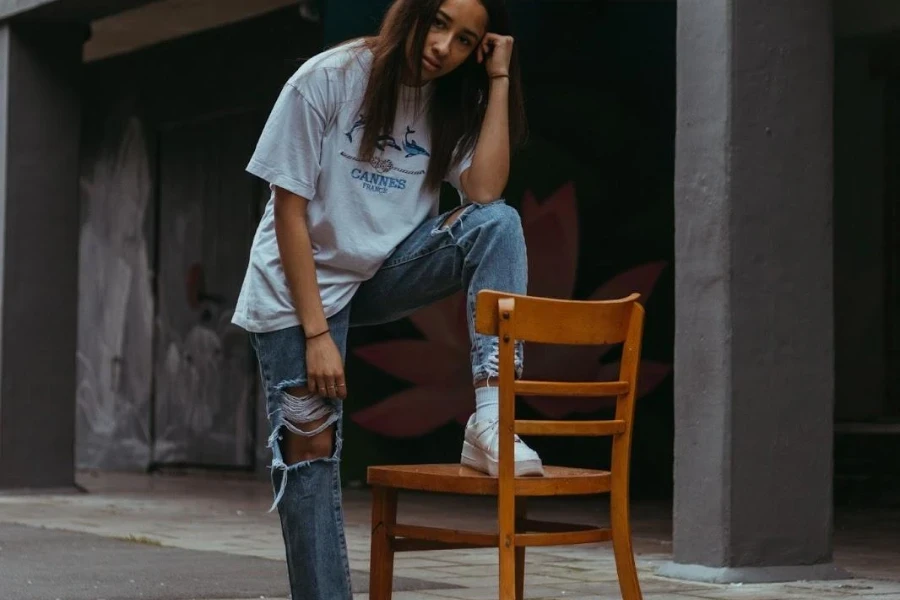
(539, 320)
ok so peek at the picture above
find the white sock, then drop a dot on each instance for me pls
(487, 404)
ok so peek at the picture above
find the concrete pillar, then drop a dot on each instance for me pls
(40, 117)
(754, 350)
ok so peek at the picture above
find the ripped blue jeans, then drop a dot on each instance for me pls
(484, 248)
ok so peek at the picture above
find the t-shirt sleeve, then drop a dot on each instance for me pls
(455, 174)
(288, 153)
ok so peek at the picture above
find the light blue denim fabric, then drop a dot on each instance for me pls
(484, 248)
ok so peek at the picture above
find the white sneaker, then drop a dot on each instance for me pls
(480, 450)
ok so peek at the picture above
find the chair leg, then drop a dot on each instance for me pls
(520, 572)
(381, 560)
(508, 553)
(507, 572)
(624, 553)
(521, 515)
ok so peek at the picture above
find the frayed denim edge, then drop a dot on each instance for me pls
(276, 418)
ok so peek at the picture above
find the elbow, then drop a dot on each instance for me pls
(483, 198)
(484, 186)
(485, 194)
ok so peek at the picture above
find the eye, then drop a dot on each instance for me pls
(465, 41)
(438, 23)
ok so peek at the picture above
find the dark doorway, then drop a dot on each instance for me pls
(892, 247)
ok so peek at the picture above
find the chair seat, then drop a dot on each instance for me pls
(458, 479)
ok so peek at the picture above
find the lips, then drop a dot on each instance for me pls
(431, 64)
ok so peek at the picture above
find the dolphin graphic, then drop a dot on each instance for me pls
(387, 140)
(359, 123)
(411, 147)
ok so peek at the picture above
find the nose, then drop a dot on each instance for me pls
(442, 46)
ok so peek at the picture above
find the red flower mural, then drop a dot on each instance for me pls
(441, 375)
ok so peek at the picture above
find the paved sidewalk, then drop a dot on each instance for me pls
(179, 525)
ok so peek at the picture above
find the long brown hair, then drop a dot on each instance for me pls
(458, 103)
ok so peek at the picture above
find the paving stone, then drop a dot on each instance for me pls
(231, 516)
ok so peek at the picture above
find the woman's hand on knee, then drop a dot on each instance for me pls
(325, 368)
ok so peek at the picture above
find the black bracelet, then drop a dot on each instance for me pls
(310, 337)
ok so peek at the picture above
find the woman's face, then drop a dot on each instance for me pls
(455, 33)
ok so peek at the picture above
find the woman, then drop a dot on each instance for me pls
(355, 151)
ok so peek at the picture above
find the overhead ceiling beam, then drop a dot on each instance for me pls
(65, 10)
(166, 20)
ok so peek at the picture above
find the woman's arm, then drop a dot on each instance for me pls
(324, 366)
(486, 179)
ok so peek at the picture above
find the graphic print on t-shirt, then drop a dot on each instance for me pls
(380, 181)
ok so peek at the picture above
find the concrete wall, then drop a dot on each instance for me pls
(39, 130)
(753, 312)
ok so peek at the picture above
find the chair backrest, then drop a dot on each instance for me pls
(553, 321)
(517, 318)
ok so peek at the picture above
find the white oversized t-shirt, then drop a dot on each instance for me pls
(359, 211)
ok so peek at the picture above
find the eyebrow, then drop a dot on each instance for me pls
(450, 19)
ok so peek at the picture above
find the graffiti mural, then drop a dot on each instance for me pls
(115, 308)
(162, 375)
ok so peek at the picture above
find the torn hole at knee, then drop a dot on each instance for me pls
(302, 449)
(309, 420)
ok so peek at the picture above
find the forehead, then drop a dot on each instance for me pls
(466, 14)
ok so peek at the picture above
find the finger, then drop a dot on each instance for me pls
(330, 388)
(339, 384)
(312, 385)
(335, 389)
